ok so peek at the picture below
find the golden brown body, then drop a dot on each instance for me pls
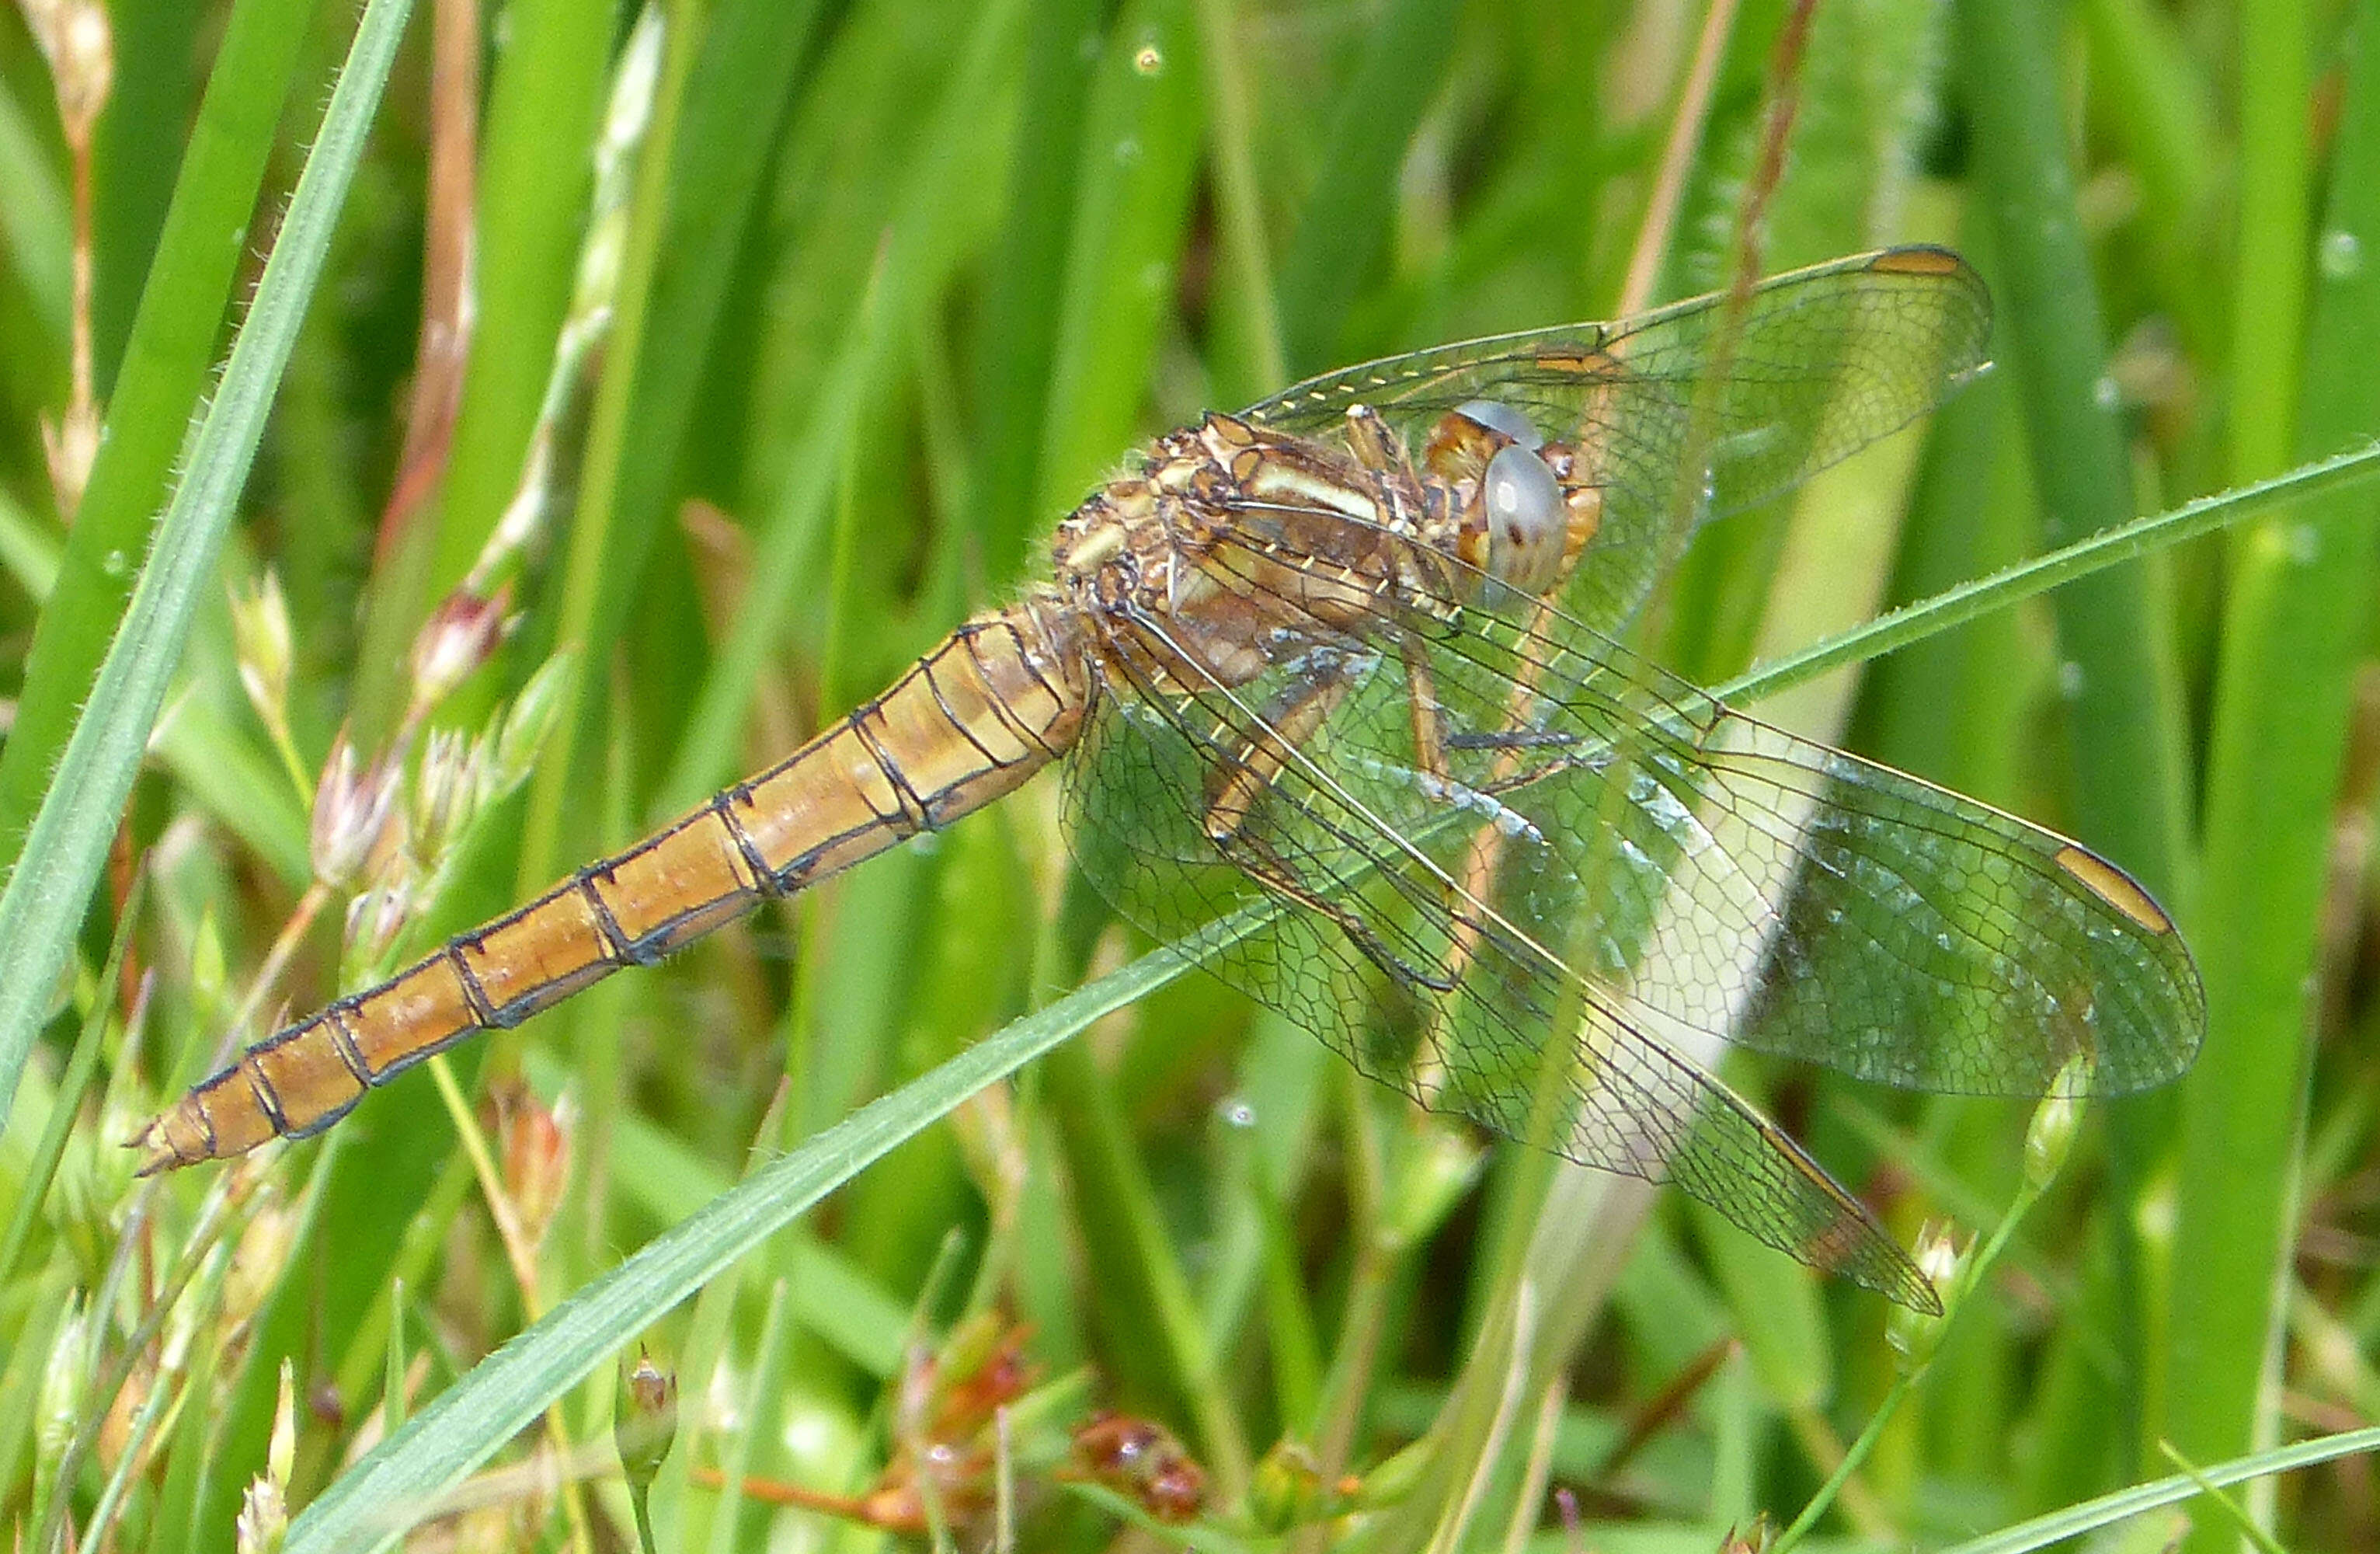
(997, 701)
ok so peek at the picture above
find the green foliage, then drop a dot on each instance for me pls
(794, 329)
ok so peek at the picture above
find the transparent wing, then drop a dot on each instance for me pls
(1414, 986)
(1697, 409)
(1531, 880)
(1795, 898)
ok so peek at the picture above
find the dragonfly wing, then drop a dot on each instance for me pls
(1378, 949)
(1697, 410)
(1794, 899)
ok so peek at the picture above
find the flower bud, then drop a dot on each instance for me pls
(351, 809)
(66, 1381)
(1286, 1491)
(632, 83)
(376, 916)
(263, 1522)
(445, 793)
(1140, 1460)
(74, 38)
(459, 637)
(536, 1141)
(262, 642)
(534, 712)
(69, 447)
(1914, 1334)
(2050, 1135)
(644, 1426)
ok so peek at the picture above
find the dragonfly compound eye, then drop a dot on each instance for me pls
(1498, 416)
(1520, 506)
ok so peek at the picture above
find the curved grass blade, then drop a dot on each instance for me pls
(2091, 1516)
(368, 1508)
(2012, 585)
(160, 383)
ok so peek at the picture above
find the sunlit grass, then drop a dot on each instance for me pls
(784, 356)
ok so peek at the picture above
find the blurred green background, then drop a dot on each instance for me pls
(790, 332)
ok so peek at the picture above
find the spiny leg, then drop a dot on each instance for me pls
(1293, 719)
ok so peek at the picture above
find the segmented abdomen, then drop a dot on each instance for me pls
(994, 703)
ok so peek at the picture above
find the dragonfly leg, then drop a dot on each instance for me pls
(1261, 862)
(1428, 712)
(1289, 723)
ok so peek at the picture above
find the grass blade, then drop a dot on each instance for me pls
(2337, 477)
(44, 898)
(2295, 628)
(2078, 1520)
(163, 377)
(371, 1506)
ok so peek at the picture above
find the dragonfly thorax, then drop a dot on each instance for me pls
(1237, 547)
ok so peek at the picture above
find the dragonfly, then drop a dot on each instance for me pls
(1347, 669)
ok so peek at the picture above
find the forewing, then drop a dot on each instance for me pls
(1791, 898)
(1697, 409)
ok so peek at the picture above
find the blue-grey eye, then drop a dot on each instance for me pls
(1523, 509)
(1498, 416)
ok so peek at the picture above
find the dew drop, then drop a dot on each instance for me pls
(1127, 151)
(1149, 61)
(2106, 394)
(2069, 678)
(2340, 254)
(115, 564)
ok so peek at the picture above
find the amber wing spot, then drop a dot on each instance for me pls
(2113, 887)
(1918, 260)
(1593, 365)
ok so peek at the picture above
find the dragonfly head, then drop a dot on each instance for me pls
(1515, 525)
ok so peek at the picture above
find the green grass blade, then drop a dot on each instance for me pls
(143, 145)
(33, 221)
(73, 1086)
(1344, 229)
(163, 378)
(2161, 111)
(2125, 710)
(1024, 291)
(2078, 1520)
(2339, 477)
(374, 1503)
(235, 782)
(604, 466)
(2295, 630)
(2269, 299)
(68, 842)
(753, 54)
(914, 253)
(1139, 149)
(545, 108)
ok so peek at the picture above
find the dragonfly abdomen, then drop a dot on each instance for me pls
(996, 702)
